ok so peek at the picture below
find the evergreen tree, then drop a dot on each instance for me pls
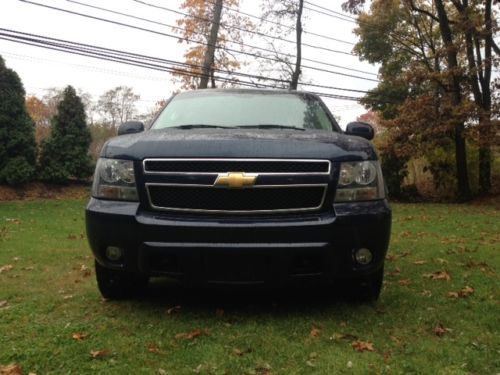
(17, 131)
(65, 153)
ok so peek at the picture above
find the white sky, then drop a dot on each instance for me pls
(40, 68)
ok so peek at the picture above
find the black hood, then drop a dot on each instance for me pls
(239, 143)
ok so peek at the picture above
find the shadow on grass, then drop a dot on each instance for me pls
(247, 300)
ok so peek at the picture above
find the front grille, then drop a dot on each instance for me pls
(236, 165)
(256, 199)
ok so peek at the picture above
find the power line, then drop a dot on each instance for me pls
(332, 11)
(228, 40)
(262, 19)
(241, 29)
(132, 59)
(187, 39)
(336, 15)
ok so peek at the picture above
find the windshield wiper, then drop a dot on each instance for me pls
(196, 126)
(270, 126)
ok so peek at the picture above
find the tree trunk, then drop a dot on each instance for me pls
(485, 125)
(452, 62)
(298, 29)
(212, 41)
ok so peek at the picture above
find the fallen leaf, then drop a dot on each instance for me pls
(31, 268)
(162, 371)
(174, 309)
(153, 348)
(71, 237)
(191, 335)
(310, 364)
(16, 259)
(349, 364)
(452, 295)
(78, 336)
(465, 292)
(69, 296)
(11, 369)
(240, 352)
(315, 332)
(15, 221)
(6, 268)
(440, 330)
(438, 275)
(419, 262)
(363, 346)
(3, 304)
(98, 353)
(404, 282)
(85, 271)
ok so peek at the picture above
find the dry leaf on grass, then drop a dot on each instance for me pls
(404, 282)
(78, 336)
(343, 336)
(240, 352)
(173, 309)
(11, 369)
(191, 335)
(153, 348)
(440, 330)
(85, 271)
(419, 262)
(363, 346)
(6, 268)
(99, 353)
(438, 275)
(315, 332)
(3, 304)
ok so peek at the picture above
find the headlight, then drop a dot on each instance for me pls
(114, 179)
(360, 181)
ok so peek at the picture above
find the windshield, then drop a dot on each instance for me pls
(241, 109)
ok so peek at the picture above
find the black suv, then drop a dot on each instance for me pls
(238, 186)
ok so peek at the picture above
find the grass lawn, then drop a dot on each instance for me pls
(439, 311)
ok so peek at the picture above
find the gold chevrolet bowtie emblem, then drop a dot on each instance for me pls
(236, 179)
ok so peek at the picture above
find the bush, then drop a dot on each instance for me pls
(65, 153)
(17, 131)
(17, 171)
(394, 169)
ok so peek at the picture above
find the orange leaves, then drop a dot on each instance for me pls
(438, 275)
(464, 293)
(78, 336)
(363, 346)
(96, 354)
(11, 369)
(315, 332)
(191, 335)
(440, 330)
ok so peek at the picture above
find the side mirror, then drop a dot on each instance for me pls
(131, 127)
(360, 129)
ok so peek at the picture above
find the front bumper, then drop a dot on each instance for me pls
(258, 249)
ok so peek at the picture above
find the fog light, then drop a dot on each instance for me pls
(363, 256)
(113, 253)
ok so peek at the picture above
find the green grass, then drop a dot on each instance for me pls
(49, 298)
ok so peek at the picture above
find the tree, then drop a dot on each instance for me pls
(118, 105)
(428, 72)
(17, 132)
(65, 153)
(197, 28)
(41, 116)
(285, 17)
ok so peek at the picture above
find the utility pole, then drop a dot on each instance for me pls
(298, 29)
(212, 41)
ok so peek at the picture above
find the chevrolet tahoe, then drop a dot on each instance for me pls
(240, 186)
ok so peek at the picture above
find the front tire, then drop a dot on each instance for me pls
(117, 285)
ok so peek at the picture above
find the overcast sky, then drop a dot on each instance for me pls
(40, 69)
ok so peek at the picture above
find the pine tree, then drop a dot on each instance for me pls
(17, 131)
(65, 153)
